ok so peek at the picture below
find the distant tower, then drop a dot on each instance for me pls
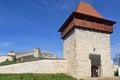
(11, 53)
(37, 52)
(12, 56)
(86, 43)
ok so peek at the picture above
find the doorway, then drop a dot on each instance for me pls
(95, 64)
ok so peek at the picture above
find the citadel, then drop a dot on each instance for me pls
(86, 48)
(26, 56)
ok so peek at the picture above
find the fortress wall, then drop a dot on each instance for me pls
(4, 58)
(41, 66)
(23, 54)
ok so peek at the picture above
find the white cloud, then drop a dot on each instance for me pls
(5, 44)
(53, 4)
(39, 3)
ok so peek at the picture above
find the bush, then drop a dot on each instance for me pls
(7, 63)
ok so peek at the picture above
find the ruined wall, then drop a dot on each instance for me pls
(41, 66)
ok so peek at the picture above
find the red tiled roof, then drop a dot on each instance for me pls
(86, 8)
(85, 16)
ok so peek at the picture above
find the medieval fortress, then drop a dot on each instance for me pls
(36, 54)
(86, 48)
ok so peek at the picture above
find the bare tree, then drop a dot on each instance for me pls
(116, 59)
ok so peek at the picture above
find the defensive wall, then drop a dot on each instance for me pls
(4, 58)
(41, 66)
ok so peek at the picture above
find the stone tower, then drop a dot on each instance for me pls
(86, 43)
(37, 52)
(11, 53)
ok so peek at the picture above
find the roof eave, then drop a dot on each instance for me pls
(85, 15)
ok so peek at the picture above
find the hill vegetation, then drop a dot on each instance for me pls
(30, 76)
(7, 62)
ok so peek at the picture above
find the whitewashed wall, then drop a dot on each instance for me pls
(4, 58)
(41, 66)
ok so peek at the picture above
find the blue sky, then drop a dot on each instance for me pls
(27, 24)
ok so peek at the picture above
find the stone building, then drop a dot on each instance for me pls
(86, 43)
(86, 48)
(9, 57)
(6, 58)
(36, 53)
(27, 56)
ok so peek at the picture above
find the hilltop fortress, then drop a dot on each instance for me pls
(86, 48)
(27, 56)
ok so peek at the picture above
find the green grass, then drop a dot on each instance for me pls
(30, 76)
(7, 63)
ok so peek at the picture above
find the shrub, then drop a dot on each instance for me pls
(7, 63)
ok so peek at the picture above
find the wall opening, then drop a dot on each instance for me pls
(95, 65)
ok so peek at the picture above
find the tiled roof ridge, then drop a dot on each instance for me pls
(86, 8)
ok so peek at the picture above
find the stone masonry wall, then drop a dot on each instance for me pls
(94, 42)
(23, 54)
(4, 58)
(41, 66)
(78, 44)
(69, 52)
(76, 67)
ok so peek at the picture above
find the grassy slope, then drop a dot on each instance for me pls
(30, 76)
(7, 63)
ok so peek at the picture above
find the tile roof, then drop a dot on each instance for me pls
(86, 8)
(85, 16)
